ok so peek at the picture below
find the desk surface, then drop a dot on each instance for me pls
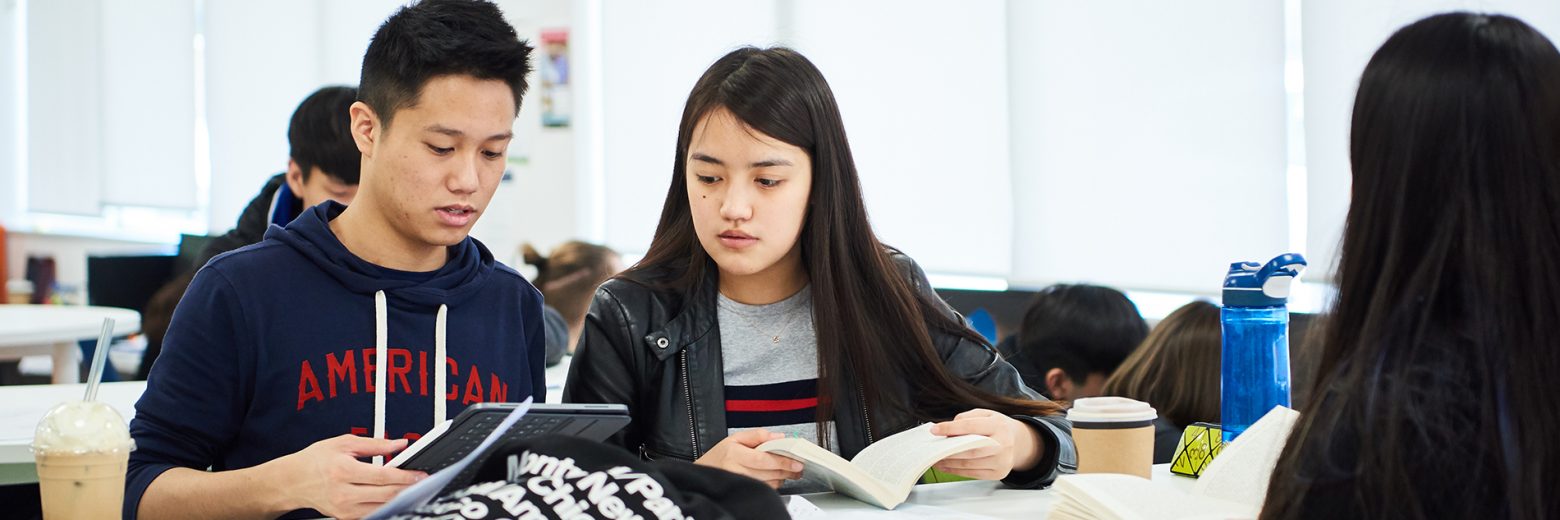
(556, 375)
(975, 500)
(23, 406)
(30, 325)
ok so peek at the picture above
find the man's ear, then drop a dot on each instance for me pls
(294, 177)
(1058, 384)
(366, 130)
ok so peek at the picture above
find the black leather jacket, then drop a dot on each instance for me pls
(644, 349)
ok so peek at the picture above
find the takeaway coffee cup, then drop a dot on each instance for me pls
(1113, 435)
(18, 291)
(82, 449)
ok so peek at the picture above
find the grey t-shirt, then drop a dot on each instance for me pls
(770, 358)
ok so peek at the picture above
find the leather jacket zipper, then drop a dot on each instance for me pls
(861, 395)
(693, 433)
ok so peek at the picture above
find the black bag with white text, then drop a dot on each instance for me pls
(557, 477)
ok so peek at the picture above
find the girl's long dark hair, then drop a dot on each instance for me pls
(1434, 394)
(871, 322)
(1176, 369)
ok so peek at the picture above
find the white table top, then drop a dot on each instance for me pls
(556, 375)
(22, 406)
(974, 500)
(29, 325)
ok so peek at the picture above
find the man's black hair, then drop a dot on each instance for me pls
(1081, 329)
(435, 38)
(320, 134)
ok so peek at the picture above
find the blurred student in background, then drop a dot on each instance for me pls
(567, 277)
(1434, 390)
(1073, 337)
(323, 165)
(1176, 370)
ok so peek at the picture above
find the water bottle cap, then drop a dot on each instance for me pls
(1249, 284)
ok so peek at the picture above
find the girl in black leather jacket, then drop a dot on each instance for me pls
(765, 205)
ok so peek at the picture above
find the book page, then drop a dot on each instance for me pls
(824, 465)
(1242, 471)
(1129, 497)
(899, 460)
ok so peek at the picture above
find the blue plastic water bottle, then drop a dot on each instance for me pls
(1255, 361)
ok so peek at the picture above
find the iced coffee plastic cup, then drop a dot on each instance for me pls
(82, 449)
(1113, 435)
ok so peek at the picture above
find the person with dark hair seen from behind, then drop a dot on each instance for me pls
(1072, 338)
(323, 165)
(567, 277)
(330, 340)
(1433, 394)
(766, 306)
(1176, 371)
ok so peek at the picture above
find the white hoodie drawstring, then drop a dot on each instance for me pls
(438, 373)
(382, 366)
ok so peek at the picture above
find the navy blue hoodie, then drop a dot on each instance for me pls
(274, 347)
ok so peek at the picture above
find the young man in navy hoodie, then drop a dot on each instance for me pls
(354, 329)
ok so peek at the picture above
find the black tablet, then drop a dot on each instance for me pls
(447, 443)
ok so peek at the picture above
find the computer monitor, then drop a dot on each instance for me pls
(127, 281)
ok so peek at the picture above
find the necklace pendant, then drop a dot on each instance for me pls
(775, 339)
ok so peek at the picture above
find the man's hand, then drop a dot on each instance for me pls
(736, 454)
(1018, 447)
(327, 477)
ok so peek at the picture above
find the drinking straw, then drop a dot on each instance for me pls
(99, 357)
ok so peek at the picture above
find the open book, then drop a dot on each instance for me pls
(883, 473)
(1233, 486)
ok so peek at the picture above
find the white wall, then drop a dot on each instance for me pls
(110, 105)
(1148, 140)
(63, 107)
(148, 106)
(10, 108)
(537, 204)
(925, 103)
(1129, 143)
(256, 75)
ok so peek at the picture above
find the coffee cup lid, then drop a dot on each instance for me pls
(82, 427)
(1110, 409)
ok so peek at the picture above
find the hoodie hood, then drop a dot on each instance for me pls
(462, 275)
